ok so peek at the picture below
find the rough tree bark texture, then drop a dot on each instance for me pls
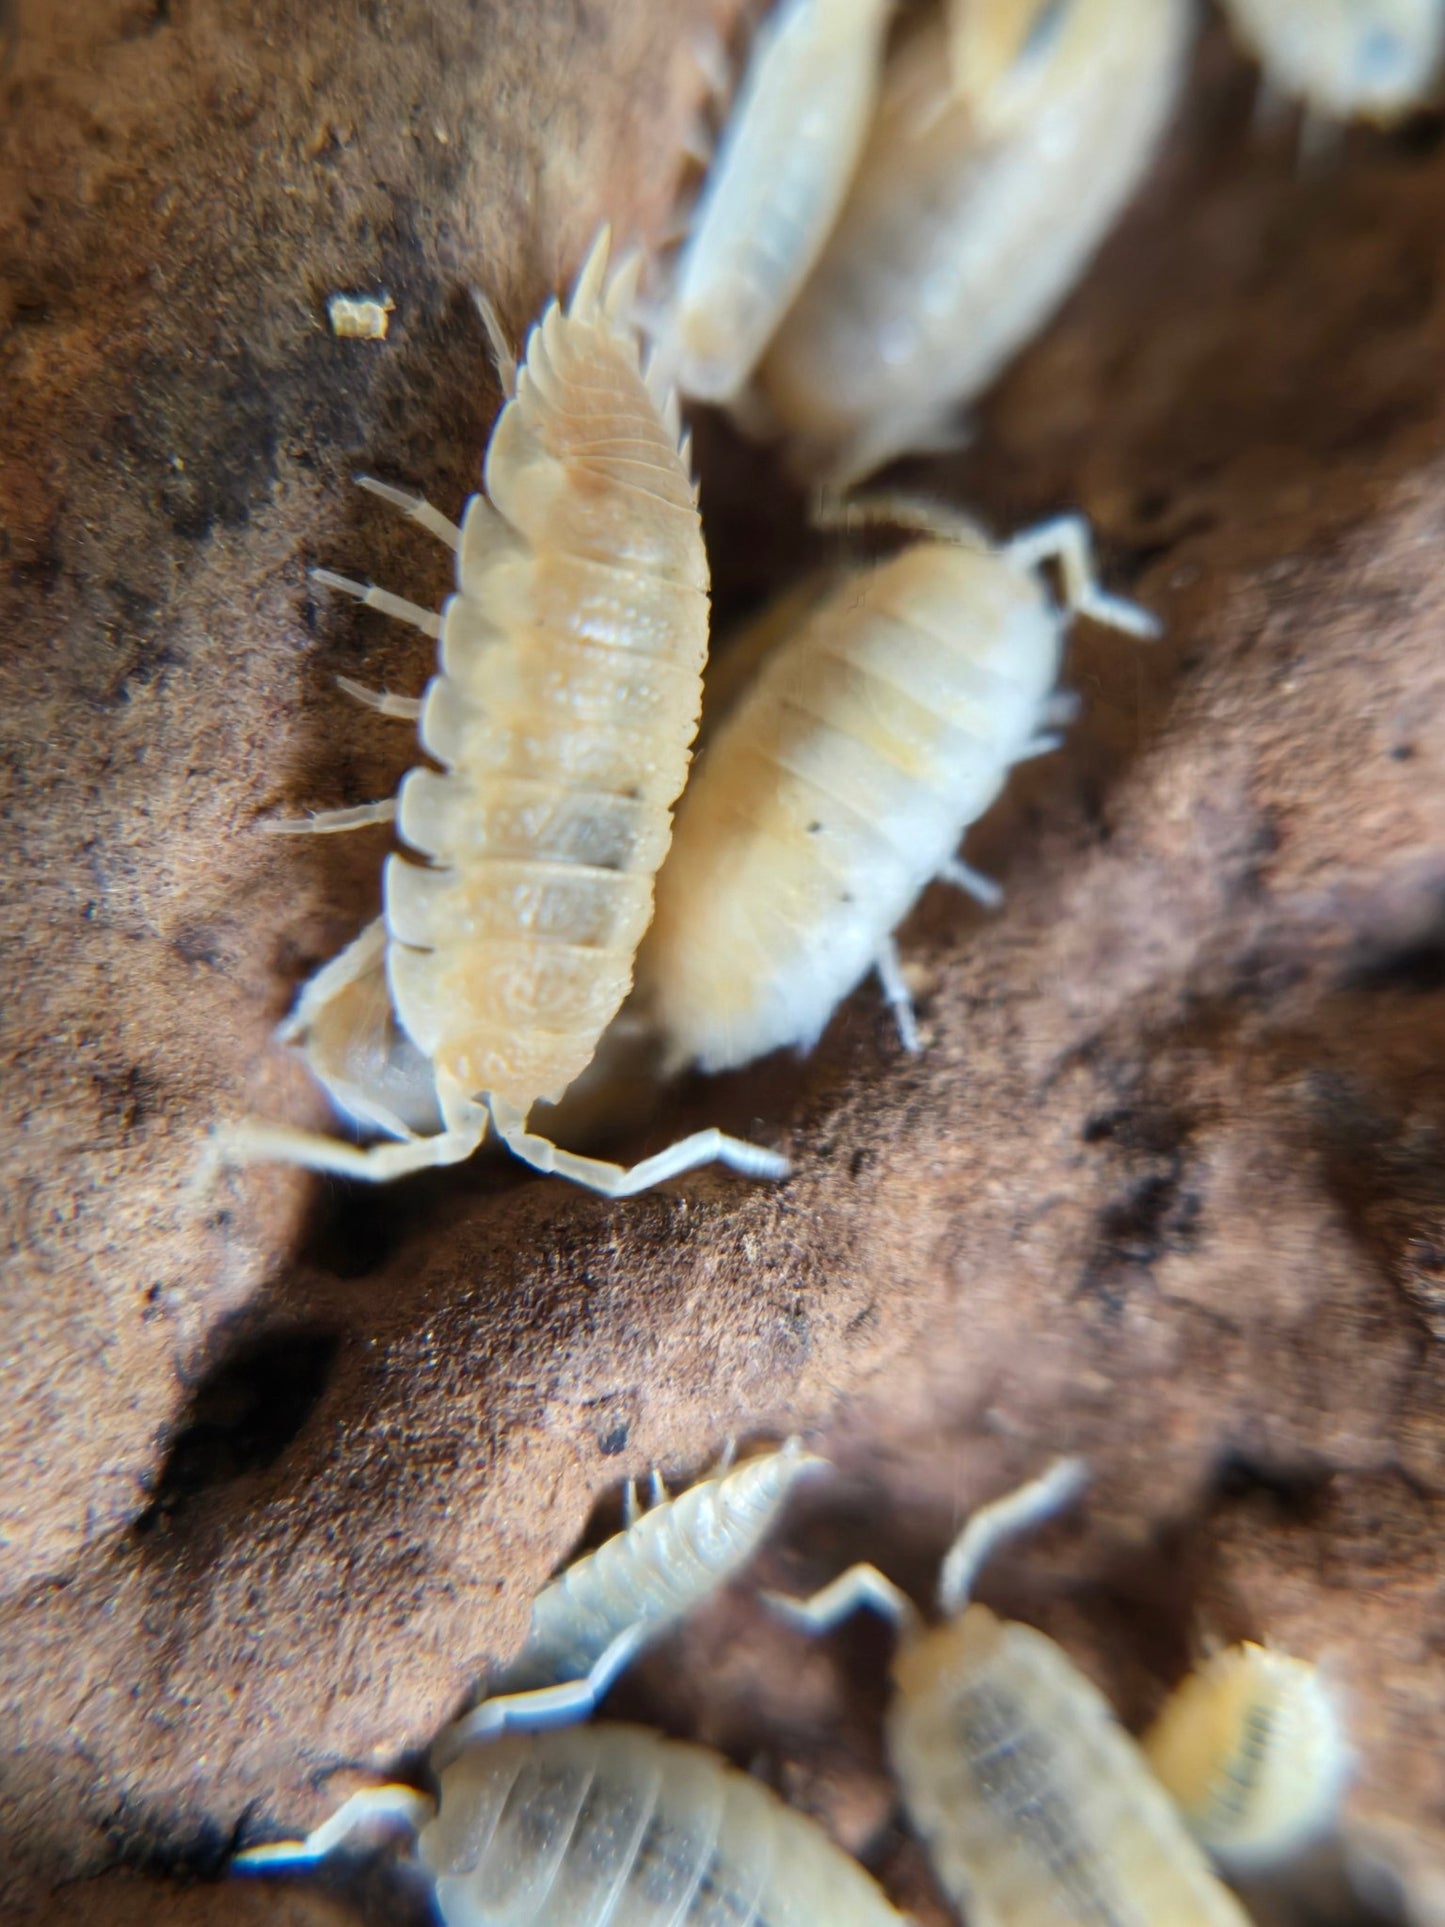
(284, 1463)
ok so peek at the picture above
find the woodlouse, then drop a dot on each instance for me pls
(1251, 1748)
(774, 190)
(841, 784)
(595, 1617)
(591, 1621)
(561, 715)
(1373, 60)
(614, 1826)
(952, 250)
(1037, 1807)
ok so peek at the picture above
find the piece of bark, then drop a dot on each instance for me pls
(1164, 1188)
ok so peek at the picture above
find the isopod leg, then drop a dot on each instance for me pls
(406, 709)
(620, 1181)
(972, 882)
(1067, 540)
(565, 1704)
(375, 1163)
(503, 359)
(852, 1590)
(1016, 1512)
(417, 507)
(331, 822)
(402, 1803)
(895, 992)
(427, 620)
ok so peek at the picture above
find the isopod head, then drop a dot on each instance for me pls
(1251, 1748)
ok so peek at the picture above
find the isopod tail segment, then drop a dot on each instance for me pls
(864, 1585)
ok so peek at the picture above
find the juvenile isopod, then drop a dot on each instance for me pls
(1373, 60)
(1252, 1750)
(593, 1620)
(614, 1826)
(566, 699)
(1037, 1807)
(784, 164)
(953, 248)
(841, 783)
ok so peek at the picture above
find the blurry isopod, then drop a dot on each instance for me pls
(614, 1826)
(782, 169)
(952, 249)
(1036, 1805)
(1373, 60)
(1251, 1747)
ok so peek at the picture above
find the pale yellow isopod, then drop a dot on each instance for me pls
(562, 713)
(841, 783)
(1007, 55)
(1252, 1749)
(614, 1826)
(774, 190)
(1036, 1806)
(1373, 60)
(953, 249)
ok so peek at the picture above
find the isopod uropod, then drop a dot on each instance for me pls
(841, 783)
(1252, 1750)
(1036, 1805)
(1347, 59)
(953, 249)
(775, 187)
(614, 1826)
(567, 697)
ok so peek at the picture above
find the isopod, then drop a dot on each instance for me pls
(1035, 1804)
(774, 190)
(841, 784)
(1373, 60)
(593, 1620)
(952, 250)
(1252, 1750)
(614, 1826)
(562, 712)
(606, 1606)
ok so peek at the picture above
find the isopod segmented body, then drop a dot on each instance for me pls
(614, 1826)
(1348, 59)
(1251, 1748)
(561, 715)
(1037, 1807)
(952, 250)
(774, 190)
(607, 1605)
(841, 783)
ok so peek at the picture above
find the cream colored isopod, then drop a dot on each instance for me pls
(1373, 60)
(841, 784)
(954, 248)
(614, 1826)
(561, 715)
(1252, 1748)
(774, 190)
(1036, 1806)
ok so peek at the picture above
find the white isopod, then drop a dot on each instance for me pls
(1252, 1749)
(594, 1619)
(614, 1826)
(774, 190)
(562, 713)
(841, 784)
(952, 249)
(1037, 1807)
(1373, 60)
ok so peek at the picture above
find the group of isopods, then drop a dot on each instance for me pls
(902, 195)
(1037, 1807)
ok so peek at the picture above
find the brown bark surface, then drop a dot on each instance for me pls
(285, 1462)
